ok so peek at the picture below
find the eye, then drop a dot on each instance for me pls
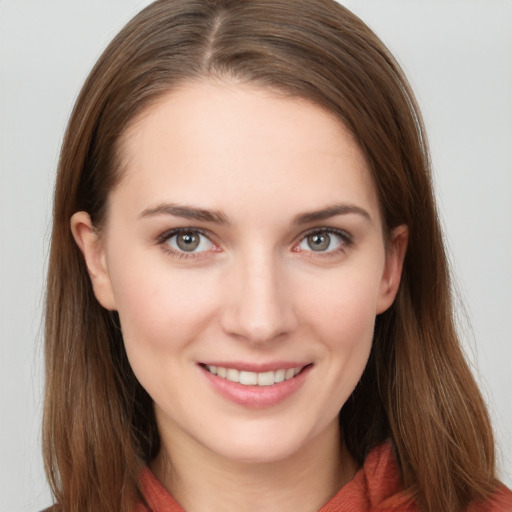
(189, 241)
(324, 241)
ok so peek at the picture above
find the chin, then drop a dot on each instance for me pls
(263, 444)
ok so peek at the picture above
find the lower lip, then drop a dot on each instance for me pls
(257, 397)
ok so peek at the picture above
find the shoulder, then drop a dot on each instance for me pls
(376, 486)
(500, 501)
(155, 495)
(384, 486)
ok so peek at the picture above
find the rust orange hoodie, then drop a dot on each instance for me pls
(376, 487)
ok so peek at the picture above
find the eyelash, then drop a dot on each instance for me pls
(164, 238)
(346, 242)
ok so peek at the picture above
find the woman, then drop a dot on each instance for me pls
(245, 243)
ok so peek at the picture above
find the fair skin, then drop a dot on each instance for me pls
(278, 272)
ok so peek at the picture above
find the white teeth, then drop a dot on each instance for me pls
(248, 378)
(233, 375)
(253, 378)
(266, 379)
(279, 376)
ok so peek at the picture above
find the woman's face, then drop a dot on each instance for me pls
(244, 252)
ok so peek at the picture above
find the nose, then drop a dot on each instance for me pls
(259, 305)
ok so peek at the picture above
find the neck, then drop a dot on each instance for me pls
(201, 480)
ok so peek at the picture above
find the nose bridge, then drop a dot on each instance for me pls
(259, 306)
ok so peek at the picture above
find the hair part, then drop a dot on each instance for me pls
(417, 389)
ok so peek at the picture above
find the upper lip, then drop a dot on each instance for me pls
(257, 367)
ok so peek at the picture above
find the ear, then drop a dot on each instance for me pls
(89, 243)
(395, 254)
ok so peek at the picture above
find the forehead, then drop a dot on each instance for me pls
(223, 142)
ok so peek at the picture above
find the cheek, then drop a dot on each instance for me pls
(162, 315)
(344, 302)
(342, 315)
(348, 333)
(161, 309)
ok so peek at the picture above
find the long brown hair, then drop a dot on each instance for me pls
(417, 390)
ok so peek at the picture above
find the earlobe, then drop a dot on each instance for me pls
(89, 244)
(395, 256)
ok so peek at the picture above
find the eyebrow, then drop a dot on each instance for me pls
(218, 217)
(330, 211)
(186, 212)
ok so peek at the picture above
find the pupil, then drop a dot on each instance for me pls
(319, 242)
(187, 241)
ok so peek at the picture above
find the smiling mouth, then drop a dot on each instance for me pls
(254, 378)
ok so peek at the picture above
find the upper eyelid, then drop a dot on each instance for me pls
(176, 231)
(325, 229)
(340, 232)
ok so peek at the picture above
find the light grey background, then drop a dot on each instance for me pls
(458, 55)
